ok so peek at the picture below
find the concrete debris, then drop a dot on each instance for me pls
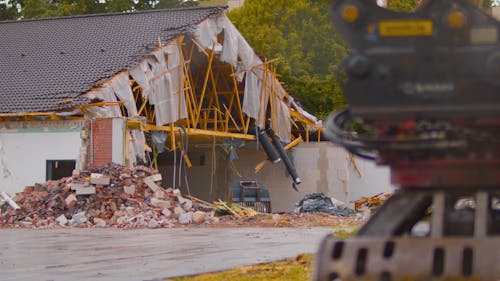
(98, 222)
(71, 200)
(318, 202)
(112, 196)
(96, 178)
(78, 219)
(198, 217)
(62, 220)
(162, 204)
(9, 200)
(186, 218)
(153, 224)
(185, 203)
(85, 190)
(166, 212)
(129, 189)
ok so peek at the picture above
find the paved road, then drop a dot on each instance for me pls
(146, 254)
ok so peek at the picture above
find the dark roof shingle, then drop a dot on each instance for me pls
(48, 60)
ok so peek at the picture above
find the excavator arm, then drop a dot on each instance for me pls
(423, 90)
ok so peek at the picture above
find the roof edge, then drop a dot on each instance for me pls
(215, 8)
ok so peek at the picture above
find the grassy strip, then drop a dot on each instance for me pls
(298, 269)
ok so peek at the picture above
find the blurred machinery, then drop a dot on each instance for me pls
(423, 90)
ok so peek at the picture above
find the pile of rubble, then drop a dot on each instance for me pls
(113, 196)
(318, 202)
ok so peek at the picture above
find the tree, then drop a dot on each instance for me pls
(301, 35)
(55, 8)
(8, 11)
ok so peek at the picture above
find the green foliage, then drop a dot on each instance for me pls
(55, 8)
(402, 5)
(8, 11)
(487, 5)
(300, 34)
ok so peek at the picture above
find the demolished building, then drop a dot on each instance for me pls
(180, 90)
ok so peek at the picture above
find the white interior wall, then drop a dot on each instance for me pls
(373, 180)
(25, 154)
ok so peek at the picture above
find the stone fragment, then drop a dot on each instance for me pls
(185, 218)
(98, 222)
(76, 185)
(176, 192)
(155, 177)
(85, 190)
(159, 194)
(129, 189)
(96, 178)
(178, 211)
(62, 220)
(121, 220)
(185, 203)
(166, 212)
(70, 200)
(198, 217)
(158, 203)
(40, 188)
(151, 184)
(153, 224)
(78, 219)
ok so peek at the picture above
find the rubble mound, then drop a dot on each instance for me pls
(112, 196)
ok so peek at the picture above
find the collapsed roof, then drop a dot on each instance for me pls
(46, 64)
(190, 69)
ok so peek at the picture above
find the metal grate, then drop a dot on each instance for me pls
(251, 194)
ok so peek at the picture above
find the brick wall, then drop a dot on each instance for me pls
(100, 146)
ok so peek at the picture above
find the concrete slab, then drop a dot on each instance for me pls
(145, 254)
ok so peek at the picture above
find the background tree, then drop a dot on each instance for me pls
(8, 11)
(301, 35)
(27, 9)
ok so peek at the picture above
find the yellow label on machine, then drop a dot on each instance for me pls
(401, 28)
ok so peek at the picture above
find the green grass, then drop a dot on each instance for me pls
(297, 269)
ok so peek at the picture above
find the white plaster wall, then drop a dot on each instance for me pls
(322, 167)
(373, 180)
(25, 153)
(496, 12)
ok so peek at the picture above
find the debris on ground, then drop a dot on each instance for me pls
(121, 197)
(372, 203)
(227, 208)
(293, 220)
(318, 202)
(113, 196)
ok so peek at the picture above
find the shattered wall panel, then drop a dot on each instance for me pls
(104, 93)
(258, 83)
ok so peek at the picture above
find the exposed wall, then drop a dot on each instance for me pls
(322, 167)
(373, 179)
(106, 141)
(27, 145)
(496, 12)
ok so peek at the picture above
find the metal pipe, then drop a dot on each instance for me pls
(266, 145)
(286, 160)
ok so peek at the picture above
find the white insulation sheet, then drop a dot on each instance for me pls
(258, 83)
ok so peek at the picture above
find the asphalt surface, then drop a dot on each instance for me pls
(145, 254)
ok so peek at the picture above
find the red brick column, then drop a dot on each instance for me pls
(100, 144)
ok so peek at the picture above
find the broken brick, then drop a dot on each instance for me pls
(70, 200)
